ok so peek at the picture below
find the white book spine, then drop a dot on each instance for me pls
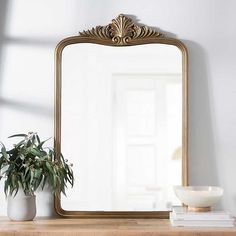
(201, 216)
(197, 224)
(181, 213)
(201, 223)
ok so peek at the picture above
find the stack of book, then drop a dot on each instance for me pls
(180, 216)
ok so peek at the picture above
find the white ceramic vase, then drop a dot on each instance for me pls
(21, 207)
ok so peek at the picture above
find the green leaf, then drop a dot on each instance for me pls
(6, 185)
(16, 188)
(28, 143)
(26, 171)
(62, 158)
(19, 144)
(31, 176)
(44, 182)
(22, 181)
(18, 135)
(49, 167)
(37, 183)
(54, 182)
(38, 139)
(4, 151)
(63, 189)
(36, 152)
(38, 173)
(13, 150)
(42, 143)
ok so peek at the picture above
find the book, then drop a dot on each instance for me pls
(202, 223)
(182, 213)
(180, 216)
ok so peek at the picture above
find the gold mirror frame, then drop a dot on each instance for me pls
(121, 32)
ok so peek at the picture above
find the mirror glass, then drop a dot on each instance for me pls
(121, 126)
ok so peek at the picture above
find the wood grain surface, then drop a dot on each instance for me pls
(104, 227)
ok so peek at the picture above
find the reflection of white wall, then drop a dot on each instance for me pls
(206, 26)
(90, 93)
(147, 133)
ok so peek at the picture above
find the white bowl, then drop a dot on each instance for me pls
(198, 196)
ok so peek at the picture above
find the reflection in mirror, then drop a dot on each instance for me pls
(121, 126)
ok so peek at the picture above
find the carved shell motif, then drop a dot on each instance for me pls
(121, 31)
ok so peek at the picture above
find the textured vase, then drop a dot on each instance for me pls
(21, 207)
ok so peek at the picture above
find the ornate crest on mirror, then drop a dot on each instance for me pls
(121, 118)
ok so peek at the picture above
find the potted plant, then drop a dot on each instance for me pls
(28, 166)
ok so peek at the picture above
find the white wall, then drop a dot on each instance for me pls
(29, 31)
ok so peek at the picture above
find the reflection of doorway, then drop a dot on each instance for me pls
(147, 130)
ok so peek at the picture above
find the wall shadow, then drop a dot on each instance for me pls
(27, 107)
(3, 19)
(202, 157)
(36, 42)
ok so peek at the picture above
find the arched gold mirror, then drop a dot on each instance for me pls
(121, 101)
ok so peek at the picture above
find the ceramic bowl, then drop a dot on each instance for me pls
(198, 197)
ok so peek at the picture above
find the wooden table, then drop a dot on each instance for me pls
(104, 227)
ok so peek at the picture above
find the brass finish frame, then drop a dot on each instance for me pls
(121, 32)
(199, 209)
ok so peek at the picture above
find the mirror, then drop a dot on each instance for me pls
(121, 119)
